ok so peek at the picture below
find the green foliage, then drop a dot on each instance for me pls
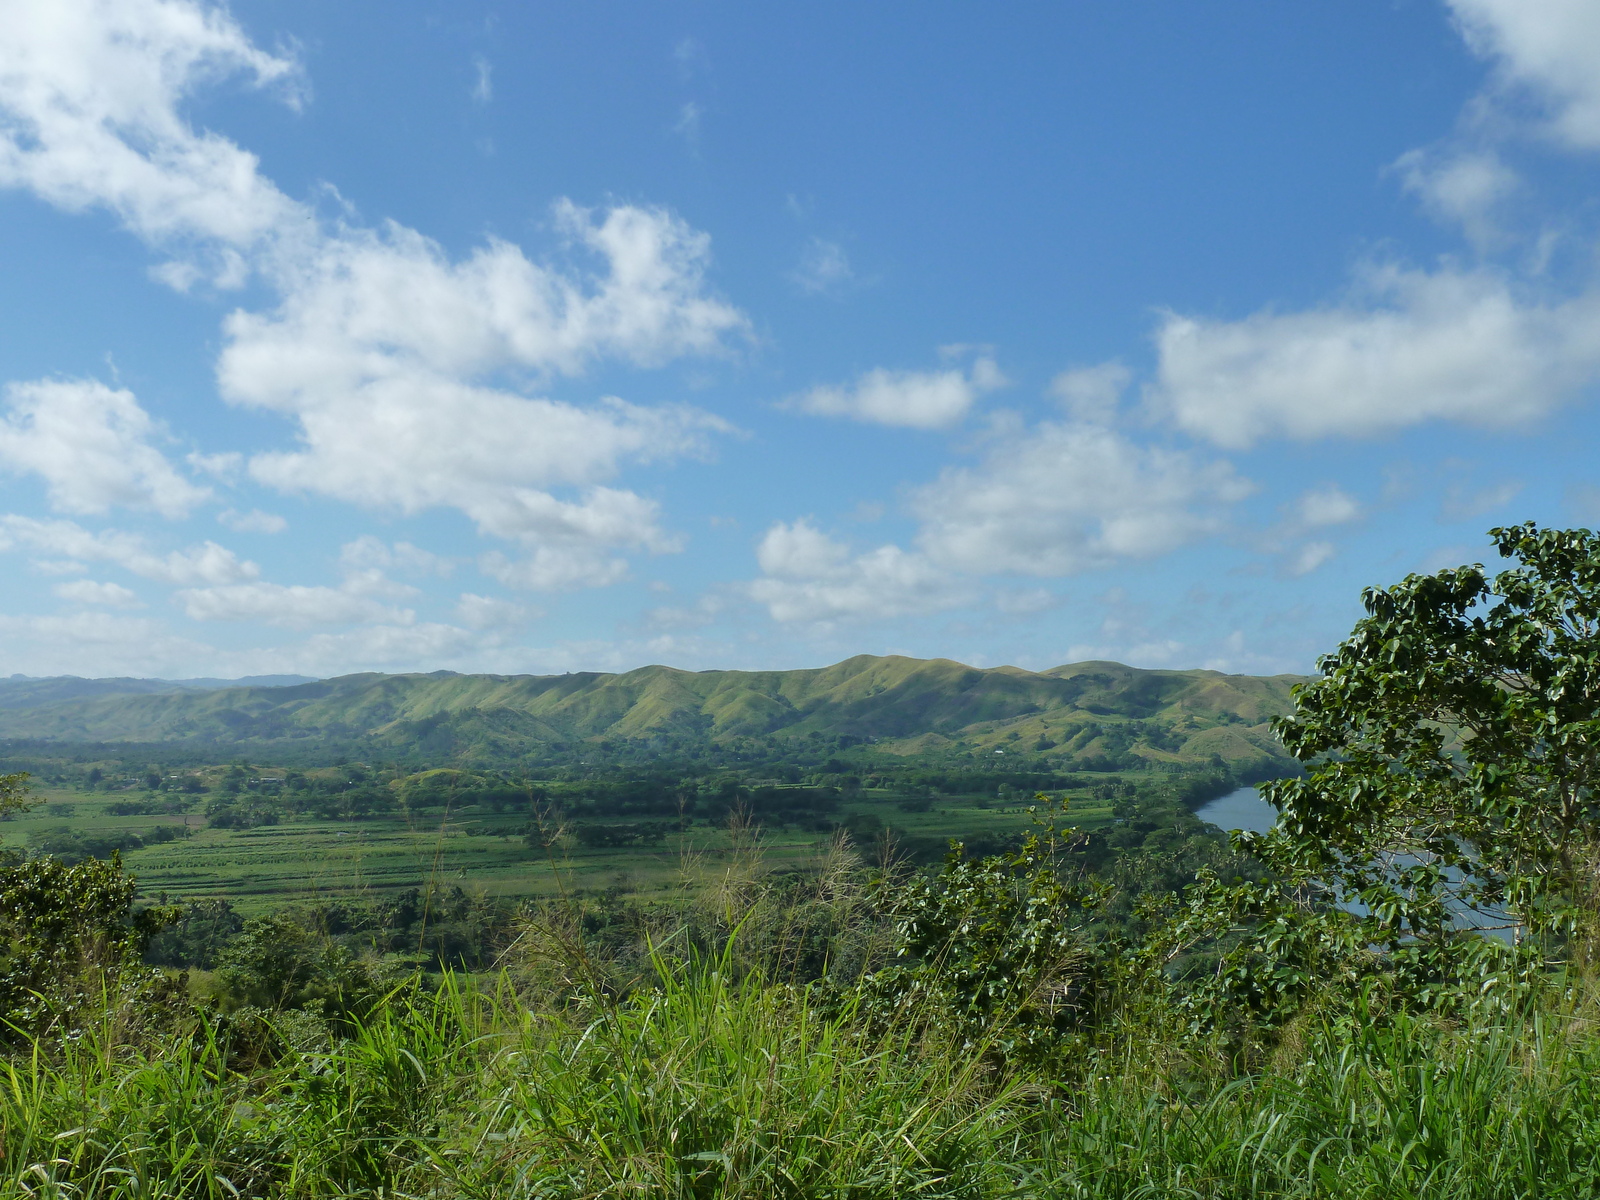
(72, 845)
(1459, 725)
(1044, 1016)
(1094, 716)
(67, 935)
(276, 963)
(202, 930)
(1452, 752)
(14, 796)
(996, 949)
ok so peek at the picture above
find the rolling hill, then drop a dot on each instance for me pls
(1083, 713)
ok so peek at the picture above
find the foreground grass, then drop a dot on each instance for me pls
(706, 1088)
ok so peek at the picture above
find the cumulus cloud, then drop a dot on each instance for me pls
(378, 351)
(87, 591)
(372, 304)
(385, 647)
(1064, 497)
(1053, 499)
(556, 568)
(91, 445)
(808, 576)
(1091, 394)
(367, 553)
(1409, 346)
(1309, 557)
(90, 97)
(1548, 50)
(1327, 505)
(405, 372)
(911, 399)
(207, 563)
(488, 612)
(1462, 187)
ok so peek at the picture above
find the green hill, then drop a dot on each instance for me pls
(1085, 713)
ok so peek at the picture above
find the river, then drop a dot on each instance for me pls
(1242, 808)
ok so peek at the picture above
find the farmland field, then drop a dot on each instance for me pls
(483, 852)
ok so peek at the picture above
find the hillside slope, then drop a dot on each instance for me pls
(1090, 712)
(22, 691)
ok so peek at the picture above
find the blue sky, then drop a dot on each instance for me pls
(557, 337)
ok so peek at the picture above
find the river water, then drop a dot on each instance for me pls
(1245, 809)
(1240, 809)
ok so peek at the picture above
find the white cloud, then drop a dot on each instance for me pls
(295, 607)
(1408, 346)
(1463, 187)
(556, 568)
(1063, 497)
(911, 399)
(367, 553)
(91, 445)
(487, 612)
(824, 267)
(254, 521)
(572, 544)
(687, 125)
(1548, 49)
(1412, 346)
(1091, 394)
(1309, 557)
(1327, 505)
(87, 591)
(1049, 500)
(377, 350)
(385, 647)
(225, 465)
(98, 644)
(1151, 655)
(90, 92)
(810, 577)
(483, 85)
(373, 305)
(207, 563)
(395, 362)
(706, 610)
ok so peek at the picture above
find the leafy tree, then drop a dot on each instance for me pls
(68, 935)
(277, 963)
(1451, 748)
(199, 935)
(997, 948)
(14, 795)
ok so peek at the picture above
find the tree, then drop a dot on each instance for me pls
(14, 795)
(1451, 748)
(67, 935)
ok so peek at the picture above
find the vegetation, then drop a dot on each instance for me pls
(1134, 1010)
(1087, 717)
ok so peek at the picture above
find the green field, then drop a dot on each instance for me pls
(481, 851)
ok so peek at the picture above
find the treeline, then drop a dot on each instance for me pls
(74, 845)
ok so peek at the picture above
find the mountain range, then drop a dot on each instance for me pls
(1088, 714)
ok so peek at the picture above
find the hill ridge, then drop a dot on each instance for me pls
(1100, 711)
